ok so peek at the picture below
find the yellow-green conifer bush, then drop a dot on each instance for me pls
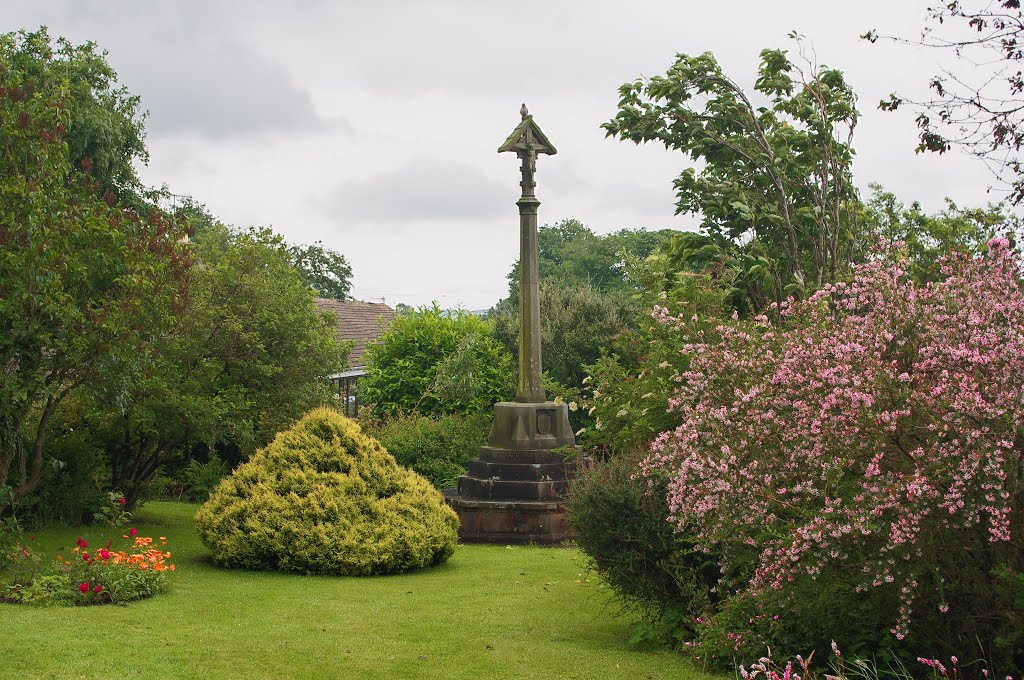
(324, 498)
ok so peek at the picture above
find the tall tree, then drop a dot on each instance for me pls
(250, 353)
(572, 254)
(85, 283)
(926, 239)
(324, 270)
(435, 362)
(776, 179)
(577, 323)
(975, 105)
(105, 128)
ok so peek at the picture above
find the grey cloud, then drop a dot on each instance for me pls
(219, 90)
(422, 188)
(191, 77)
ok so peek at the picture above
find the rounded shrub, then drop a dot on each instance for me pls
(435, 362)
(619, 519)
(324, 498)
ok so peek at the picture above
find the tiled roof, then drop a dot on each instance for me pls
(362, 322)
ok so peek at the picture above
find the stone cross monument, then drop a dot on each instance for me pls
(527, 141)
(514, 490)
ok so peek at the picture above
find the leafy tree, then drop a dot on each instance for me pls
(250, 354)
(636, 376)
(433, 362)
(196, 219)
(105, 126)
(977, 106)
(571, 253)
(437, 447)
(577, 322)
(85, 284)
(325, 271)
(927, 239)
(775, 181)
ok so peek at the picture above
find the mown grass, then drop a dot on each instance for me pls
(490, 612)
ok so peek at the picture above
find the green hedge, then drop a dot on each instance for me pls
(437, 447)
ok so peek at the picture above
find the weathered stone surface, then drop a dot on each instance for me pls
(539, 522)
(491, 454)
(543, 425)
(511, 489)
(513, 492)
(532, 472)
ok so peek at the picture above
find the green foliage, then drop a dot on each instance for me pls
(435, 362)
(192, 482)
(44, 590)
(926, 239)
(747, 275)
(104, 128)
(325, 271)
(324, 498)
(775, 181)
(437, 447)
(570, 253)
(200, 479)
(250, 353)
(630, 385)
(577, 323)
(84, 282)
(619, 519)
(113, 513)
(74, 473)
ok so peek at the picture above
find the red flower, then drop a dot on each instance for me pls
(82, 543)
(121, 500)
(83, 587)
(104, 554)
(85, 556)
(97, 588)
(133, 532)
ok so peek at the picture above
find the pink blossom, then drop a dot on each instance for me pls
(866, 426)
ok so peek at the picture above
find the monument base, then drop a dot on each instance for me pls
(511, 522)
(515, 490)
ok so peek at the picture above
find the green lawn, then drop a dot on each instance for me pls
(490, 612)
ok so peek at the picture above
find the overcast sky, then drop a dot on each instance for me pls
(374, 126)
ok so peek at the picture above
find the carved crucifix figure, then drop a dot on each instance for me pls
(528, 169)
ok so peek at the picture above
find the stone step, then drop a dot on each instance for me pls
(501, 489)
(533, 472)
(496, 454)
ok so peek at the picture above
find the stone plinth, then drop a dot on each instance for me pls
(518, 426)
(514, 491)
(504, 522)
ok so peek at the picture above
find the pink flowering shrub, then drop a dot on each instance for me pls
(860, 459)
